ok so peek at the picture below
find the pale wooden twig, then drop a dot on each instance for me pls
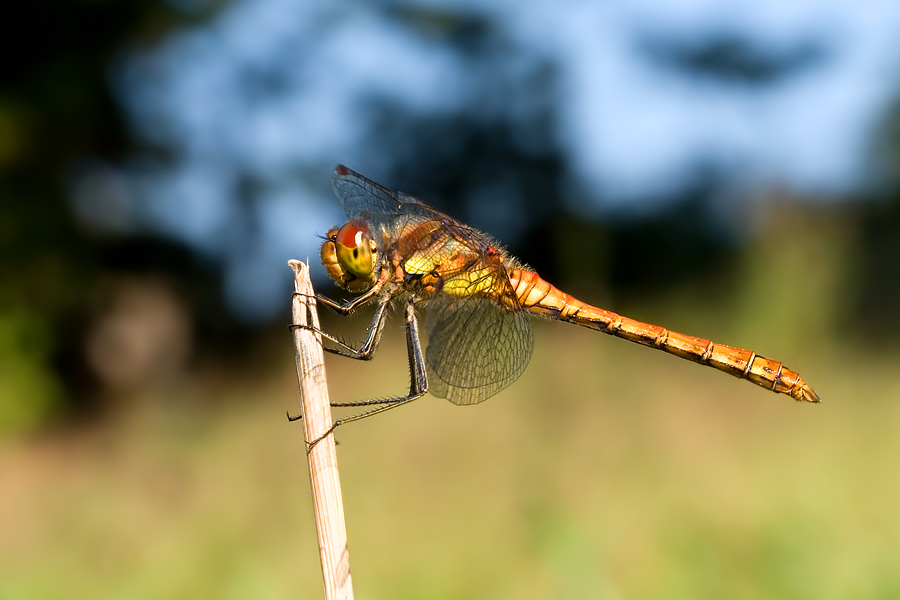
(323, 468)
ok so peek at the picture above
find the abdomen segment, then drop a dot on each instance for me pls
(541, 298)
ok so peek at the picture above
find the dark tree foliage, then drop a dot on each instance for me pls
(57, 111)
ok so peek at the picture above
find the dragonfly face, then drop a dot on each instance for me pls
(350, 256)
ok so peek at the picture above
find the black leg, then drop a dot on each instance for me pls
(349, 306)
(418, 379)
(373, 335)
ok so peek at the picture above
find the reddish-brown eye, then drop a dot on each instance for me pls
(354, 248)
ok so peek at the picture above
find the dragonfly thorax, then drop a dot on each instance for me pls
(350, 255)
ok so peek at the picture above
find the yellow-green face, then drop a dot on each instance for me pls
(349, 255)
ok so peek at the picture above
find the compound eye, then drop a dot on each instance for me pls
(354, 249)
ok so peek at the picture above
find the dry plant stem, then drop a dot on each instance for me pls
(323, 469)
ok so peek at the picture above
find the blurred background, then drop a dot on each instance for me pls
(725, 169)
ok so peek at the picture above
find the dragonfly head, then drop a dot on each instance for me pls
(349, 255)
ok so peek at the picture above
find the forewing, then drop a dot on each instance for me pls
(476, 347)
(362, 198)
(397, 214)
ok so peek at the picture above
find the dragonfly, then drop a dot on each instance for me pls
(395, 249)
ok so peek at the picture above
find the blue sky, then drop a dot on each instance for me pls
(630, 130)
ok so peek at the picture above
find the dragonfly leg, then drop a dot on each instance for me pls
(342, 308)
(373, 336)
(418, 379)
(365, 352)
(346, 308)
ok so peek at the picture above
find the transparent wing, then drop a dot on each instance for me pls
(362, 198)
(398, 213)
(476, 347)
